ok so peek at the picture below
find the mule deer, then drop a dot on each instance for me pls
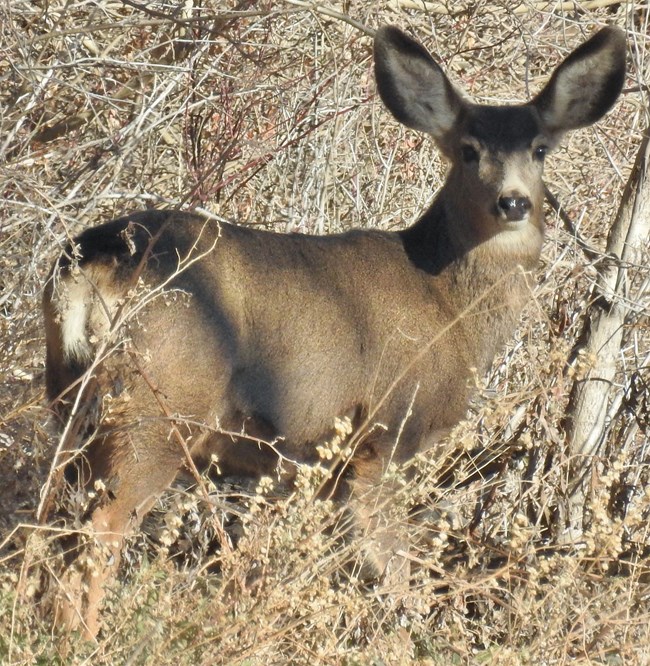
(171, 322)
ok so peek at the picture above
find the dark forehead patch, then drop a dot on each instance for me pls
(503, 128)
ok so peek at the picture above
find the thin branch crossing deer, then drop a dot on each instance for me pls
(166, 319)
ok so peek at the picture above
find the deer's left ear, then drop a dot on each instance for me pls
(586, 84)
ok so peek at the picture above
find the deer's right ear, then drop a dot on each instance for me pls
(413, 86)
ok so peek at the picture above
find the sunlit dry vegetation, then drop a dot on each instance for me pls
(266, 114)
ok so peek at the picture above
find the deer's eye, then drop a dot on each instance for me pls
(539, 153)
(470, 154)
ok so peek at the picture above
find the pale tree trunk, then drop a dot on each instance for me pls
(592, 395)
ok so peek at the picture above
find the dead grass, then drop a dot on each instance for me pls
(265, 114)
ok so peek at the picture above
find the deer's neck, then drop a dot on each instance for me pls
(485, 284)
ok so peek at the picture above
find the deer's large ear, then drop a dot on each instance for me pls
(413, 86)
(586, 84)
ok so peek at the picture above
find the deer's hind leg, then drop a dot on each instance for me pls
(128, 468)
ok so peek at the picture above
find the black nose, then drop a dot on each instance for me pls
(514, 208)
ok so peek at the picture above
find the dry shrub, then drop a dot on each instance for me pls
(267, 115)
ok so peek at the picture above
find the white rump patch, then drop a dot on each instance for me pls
(74, 304)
